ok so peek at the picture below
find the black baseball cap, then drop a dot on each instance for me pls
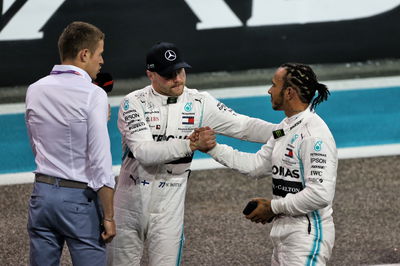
(164, 58)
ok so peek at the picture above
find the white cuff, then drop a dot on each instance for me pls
(214, 151)
(277, 206)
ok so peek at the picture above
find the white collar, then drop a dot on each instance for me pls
(289, 123)
(167, 99)
(79, 70)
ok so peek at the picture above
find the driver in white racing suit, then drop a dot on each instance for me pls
(302, 158)
(155, 123)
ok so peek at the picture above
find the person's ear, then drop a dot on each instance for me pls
(84, 55)
(149, 74)
(290, 92)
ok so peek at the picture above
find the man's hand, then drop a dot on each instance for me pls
(263, 213)
(109, 230)
(106, 196)
(202, 139)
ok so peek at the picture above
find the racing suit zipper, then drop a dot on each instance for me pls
(309, 224)
(164, 138)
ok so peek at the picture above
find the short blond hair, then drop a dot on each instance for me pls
(78, 36)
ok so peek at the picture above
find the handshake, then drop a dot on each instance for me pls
(202, 139)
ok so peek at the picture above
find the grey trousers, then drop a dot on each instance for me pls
(58, 215)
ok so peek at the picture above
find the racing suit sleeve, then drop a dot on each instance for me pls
(138, 138)
(228, 123)
(253, 164)
(318, 158)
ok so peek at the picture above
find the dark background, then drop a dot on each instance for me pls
(132, 27)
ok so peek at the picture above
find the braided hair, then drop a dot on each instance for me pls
(302, 78)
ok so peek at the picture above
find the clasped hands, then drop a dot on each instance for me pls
(202, 139)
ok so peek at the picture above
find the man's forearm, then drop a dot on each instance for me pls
(106, 195)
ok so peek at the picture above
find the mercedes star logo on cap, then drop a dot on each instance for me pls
(170, 55)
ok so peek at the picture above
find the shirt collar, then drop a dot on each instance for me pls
(82, 72)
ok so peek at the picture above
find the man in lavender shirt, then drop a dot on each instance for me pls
(66, 118)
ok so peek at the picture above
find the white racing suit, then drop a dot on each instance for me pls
(150, 195)
(302, 158)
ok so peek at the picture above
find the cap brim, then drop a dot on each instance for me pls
(173, 68)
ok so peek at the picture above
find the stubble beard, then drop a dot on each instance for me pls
(277, 106)
(177, 90)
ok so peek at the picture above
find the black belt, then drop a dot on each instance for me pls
(41, 178)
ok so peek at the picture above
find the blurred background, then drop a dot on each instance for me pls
(229, 43)
(215, 36)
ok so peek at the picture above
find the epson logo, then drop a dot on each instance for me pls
(318, 160)
(131, 116)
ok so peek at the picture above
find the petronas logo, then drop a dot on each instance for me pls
(188, 107)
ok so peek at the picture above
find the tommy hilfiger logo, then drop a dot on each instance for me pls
(187, 120)
(290, 153)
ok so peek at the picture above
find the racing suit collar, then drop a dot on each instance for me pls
(167, 99)
(292, 122)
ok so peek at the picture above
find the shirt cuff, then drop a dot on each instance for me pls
(278, 206)
(214, 151)
(108, 183)
(186, 147)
